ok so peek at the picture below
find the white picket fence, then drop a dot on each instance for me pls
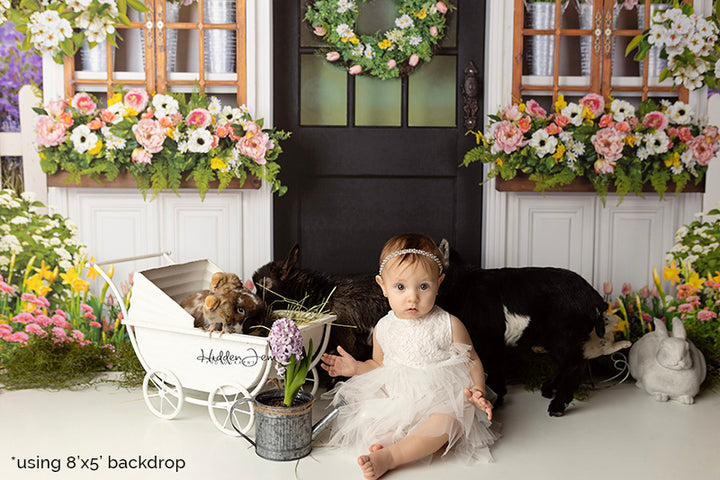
(22, 144)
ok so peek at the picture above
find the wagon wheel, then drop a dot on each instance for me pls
(312, 379)
(163, 393)
(220, 402)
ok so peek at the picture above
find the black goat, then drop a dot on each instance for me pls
(357, 301)
(552, 308)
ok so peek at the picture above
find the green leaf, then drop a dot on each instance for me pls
(633, 43)
(138, 5)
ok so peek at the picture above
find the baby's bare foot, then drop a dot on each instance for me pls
(375, 464)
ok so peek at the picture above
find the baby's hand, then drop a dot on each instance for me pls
(477, 398)
(343, 365)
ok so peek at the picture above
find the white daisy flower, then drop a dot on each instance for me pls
(404, 21)
(200, 141)
(344, 31)
(543, 143)
(83, 139)
(112, 142)
(357, 50)
(415, 40)
(215, 106)
(344, 6)
(369, 52)
(621, 110)
(677, 169)
(182, 146)
(642, 153)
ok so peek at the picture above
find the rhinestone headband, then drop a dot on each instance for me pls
(411, 250)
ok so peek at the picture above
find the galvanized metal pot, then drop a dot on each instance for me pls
(283, 433)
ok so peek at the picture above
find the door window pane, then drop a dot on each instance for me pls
(323, 92)
(432, 93)
(377, 102)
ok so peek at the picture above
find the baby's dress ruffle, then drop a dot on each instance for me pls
(394, 400)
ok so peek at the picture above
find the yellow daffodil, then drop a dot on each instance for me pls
(34, 282)
(695, 280)
(521, 107)
(111, 270)
(421, 14)
(92, 273)
(672, 273)
(114, 99)
(53, 276)
(621, 327)
(73, 279)
(559, 152)
(560, 103)
(44, 270)
(217, 163)
(385, 44)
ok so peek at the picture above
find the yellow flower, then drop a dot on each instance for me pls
(92, 272)
(695, 281)
(34, 283)
(73, 279)
(171, 133)
(716, 278)
(385, 44)
(587, 114)
(96, 149)
(355, 40)
(44, 271)
(559, 152)
(672, 273)
(421, 14)
(630, 140)
(521, 107)
(499, 162)
(217, 163)
(560, 103)
(673, 160)
(111, 270)
(114, 99)
(621, 326)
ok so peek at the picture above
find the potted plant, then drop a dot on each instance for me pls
(160, 141)
(611, 145)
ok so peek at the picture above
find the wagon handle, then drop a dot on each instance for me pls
(234, 406)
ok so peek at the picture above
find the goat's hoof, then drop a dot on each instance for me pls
(556, 414)
(557, 409)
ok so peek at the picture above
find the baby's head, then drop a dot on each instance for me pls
(410, 248)
(410, 274)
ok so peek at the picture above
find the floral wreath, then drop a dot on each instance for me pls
(419, 27)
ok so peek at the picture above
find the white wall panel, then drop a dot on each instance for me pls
(555, 230)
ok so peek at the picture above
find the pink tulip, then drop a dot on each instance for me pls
(414, 59)
(607, 288)
(442, 8)
(355, 69)
(391, 64)
(644, 292)
(319, 31)
(434, 31)
(626, 289)
(332, 56)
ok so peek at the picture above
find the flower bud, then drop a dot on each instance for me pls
(332, 56)
(442, 8)
(319, 31)
(414, 59)
(391, 64)
(355, 69)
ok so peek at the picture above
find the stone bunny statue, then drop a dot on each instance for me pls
(667, 367)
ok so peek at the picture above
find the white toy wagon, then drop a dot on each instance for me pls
(184, 363)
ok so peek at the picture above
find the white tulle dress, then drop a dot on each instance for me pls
(423, 373)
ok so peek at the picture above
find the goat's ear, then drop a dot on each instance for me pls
(445, 250)
(250, 285)
(291, 260)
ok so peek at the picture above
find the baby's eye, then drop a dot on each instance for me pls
(400, 286)
(424, 286)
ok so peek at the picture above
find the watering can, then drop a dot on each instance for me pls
(282, 432)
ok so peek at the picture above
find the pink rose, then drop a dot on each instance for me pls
(524, 124)
(150, 134)
(703, 149)
(607, 121)
(441, 7)
(656, 120)
(534, 109)
(608, 143)
(684, 134)
(332, 56)
(107, 116)
(84, 103)
(711, 131)
(603, 165)
(553, 129)
(434, 31)
(510, 112)
(255, 147)
(508, 137)
(391, 64)
(50, 132)
(319, 31)
(199, 118)
(623, 126)
(141, 156)
(414, 59)
(136, 99)
(251, 128)
(562, 120)
(96, 124)
(56, 107)
(355, 69)
(594, 103)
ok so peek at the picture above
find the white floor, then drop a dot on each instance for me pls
(619, 433)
